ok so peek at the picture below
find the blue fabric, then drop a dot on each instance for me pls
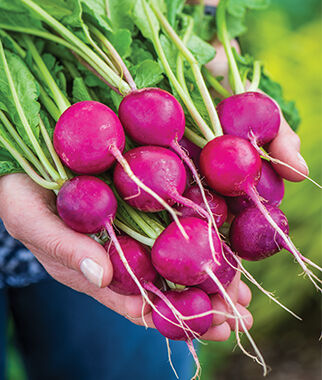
(65, 335)
(3, 328)
(18, 267)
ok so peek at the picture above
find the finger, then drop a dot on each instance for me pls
(232, 288)
(140, 322)
(218, 333)
(218, 304)
(71, 249)
(247, 319)
(244, 294)
(286, 148)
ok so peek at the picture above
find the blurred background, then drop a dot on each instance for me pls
(288, 39)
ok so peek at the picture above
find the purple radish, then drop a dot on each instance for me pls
(225, 272)
(159, 169)
(189, 302)
(270, 188)
(87, 204)
(193, 151)
(253, 238)
(216, 203)
(84, 135)
(152, 116)
(251, 115)
(232, 167)
(139, 260)
(183, 261)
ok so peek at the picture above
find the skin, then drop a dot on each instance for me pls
(61, 250)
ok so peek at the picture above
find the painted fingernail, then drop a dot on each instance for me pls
(302, 161)
(92, 271)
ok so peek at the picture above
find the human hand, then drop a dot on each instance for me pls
(286, 145)
(29, 214)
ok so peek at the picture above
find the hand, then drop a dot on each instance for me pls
(286, 145)
(29, 214)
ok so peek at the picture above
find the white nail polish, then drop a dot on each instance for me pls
(302, 161)
(92, 271)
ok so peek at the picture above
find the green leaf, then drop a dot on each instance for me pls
(80, 91)
(121, 40)
(27, 90)
(94, 11)
(202, 51)
(204, 25)
(174, 7)
(120, 13)
(147, 74)
(9, 167)
(238, 8)
(140, 52)
(140, 19)
(67, 12)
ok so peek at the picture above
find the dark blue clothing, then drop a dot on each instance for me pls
(66, 335)
(18, 267)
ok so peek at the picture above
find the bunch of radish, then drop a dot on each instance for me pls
(193, 181)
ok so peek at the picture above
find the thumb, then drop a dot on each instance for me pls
(72, 249)
(286, 148)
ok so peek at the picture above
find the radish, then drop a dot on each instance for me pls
(216, 203)
(225, 272)
(163, 172)
(251, 115)
(190, 262)
(270, 188)
(232, 167)
(139, 260)
(84, 135)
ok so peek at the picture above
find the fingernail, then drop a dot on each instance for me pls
(302, 161)
(92, 271)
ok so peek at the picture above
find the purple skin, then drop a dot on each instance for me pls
(188, 302)
(250, 112)
(185, 261)
(253, 238)
(159, 169)
(86, 204)
(192, 150)
(270, 187)
(231, 165)
(216, 203)
(225, 272)
(138, 257)
(83, 136)
(152, 116)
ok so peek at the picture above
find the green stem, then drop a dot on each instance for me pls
(72, 69)
(60, 99)
(26, 167)
(27, 152)
(115, 55)
(225, 40)
(42, 157)
(135, 235)
(135, 215)
(211, 109)
(16, 46)
(99, 50)
(256, 76)
(48, 103)
(52, 151)
(205, 130)
(180, 65)
(110, 75)
(215, 84)
(194, 137)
